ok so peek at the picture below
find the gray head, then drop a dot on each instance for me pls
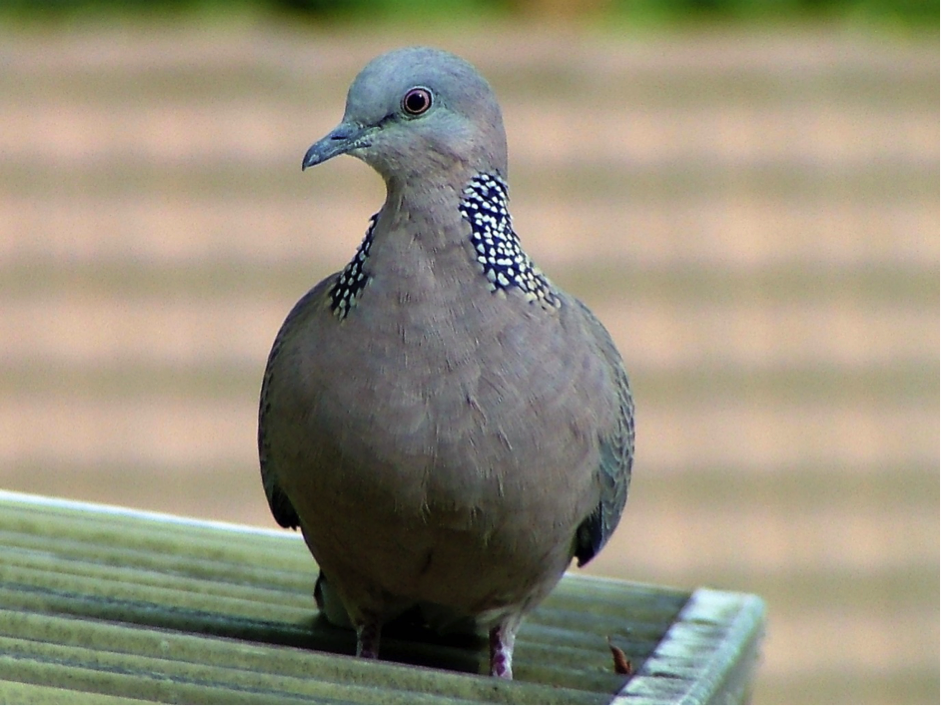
(417, 114)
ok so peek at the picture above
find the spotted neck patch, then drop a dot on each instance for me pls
(353, 278)
(499, 254)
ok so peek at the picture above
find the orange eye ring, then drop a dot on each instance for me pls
(416, 101)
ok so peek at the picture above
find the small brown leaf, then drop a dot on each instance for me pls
(622, 665)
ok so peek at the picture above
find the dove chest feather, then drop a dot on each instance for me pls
(432, 406)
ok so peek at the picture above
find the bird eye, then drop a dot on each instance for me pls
(416, 101)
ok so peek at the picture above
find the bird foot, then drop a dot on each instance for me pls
(501, 652)
(367, 640)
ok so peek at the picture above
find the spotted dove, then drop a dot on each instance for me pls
(446, 426)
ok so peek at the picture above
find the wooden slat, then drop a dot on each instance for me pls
(128, 605)
(707, 656)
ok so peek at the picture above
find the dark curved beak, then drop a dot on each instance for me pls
(343, 138)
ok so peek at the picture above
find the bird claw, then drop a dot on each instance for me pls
(501, 652)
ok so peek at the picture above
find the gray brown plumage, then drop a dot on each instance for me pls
(445, 426)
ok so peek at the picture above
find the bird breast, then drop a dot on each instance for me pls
(430, 415)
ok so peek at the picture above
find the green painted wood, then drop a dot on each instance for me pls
(105, 604)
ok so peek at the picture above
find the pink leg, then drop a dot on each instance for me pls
(367, 640)
(502, 639)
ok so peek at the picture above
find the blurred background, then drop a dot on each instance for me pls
(746, 193)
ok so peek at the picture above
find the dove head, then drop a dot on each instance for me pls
(416, 112)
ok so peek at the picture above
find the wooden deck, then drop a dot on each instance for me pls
(101, 603)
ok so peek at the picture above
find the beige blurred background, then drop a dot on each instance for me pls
(753, 213)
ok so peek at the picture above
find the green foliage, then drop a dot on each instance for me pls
(911, 13)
